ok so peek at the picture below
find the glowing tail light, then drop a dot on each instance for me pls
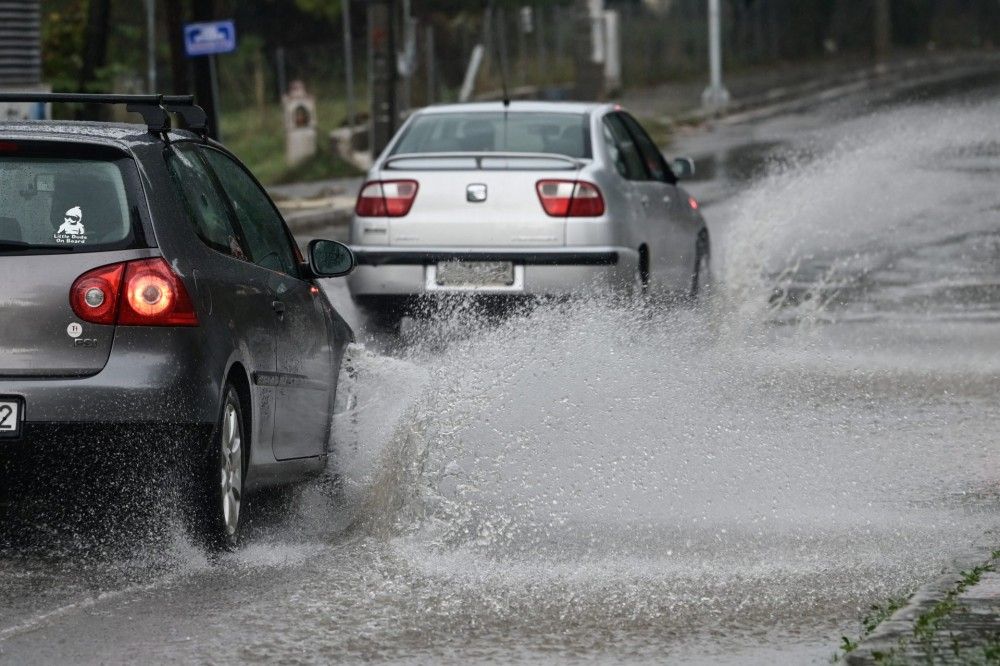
(386, 198)
(570, 198)
(146, 292)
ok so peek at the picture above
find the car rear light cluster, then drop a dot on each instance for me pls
(386, 198)
(570, 198)
(145, 292)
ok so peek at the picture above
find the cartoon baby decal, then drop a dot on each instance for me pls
(72, 222)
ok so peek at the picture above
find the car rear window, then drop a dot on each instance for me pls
(55, 204)
(488, 131)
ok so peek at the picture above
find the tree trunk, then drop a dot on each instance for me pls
(95, 52)
(205, 10)
(180, 71)
(883, 32)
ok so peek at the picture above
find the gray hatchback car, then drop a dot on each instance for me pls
(151, 288)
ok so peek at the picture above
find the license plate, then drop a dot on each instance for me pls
(11, 415)
(475, 274)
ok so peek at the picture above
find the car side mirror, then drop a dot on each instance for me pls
(329, 258)
(683, 168)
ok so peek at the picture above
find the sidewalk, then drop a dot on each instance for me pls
(954, 619)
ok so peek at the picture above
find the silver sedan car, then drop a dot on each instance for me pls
(525, 199)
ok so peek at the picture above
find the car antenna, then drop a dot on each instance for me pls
(501, 63)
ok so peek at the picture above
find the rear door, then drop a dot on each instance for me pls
(65, 209)
(672, 223)
(628, 163)
(305, 369)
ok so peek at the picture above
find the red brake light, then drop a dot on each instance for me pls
(94, 295)
(693, 203)
(8, 147)
(569, 198)
(155, 296)
(135, 293)
(386, 198)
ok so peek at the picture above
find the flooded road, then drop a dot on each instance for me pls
(730, 483)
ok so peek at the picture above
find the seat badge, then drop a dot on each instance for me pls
(475, 193)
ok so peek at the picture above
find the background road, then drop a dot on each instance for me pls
(729, 484)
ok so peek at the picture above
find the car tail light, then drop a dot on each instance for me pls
(94, 295)
(570, 198)
(693, 203)
(386, 198)
(146, 292)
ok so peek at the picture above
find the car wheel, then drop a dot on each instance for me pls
(222, 506)
(702, 275)
(640, 281)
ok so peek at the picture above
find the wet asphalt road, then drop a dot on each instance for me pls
(732, 483)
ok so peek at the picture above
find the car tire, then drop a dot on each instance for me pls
(639, 288)
(220, 509)
(701, 277)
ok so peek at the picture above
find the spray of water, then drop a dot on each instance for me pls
(591, 467)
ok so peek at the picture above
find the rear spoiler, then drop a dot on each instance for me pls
(484, 161)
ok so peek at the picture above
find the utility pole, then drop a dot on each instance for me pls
(883, 34)
(382, 55)
(715, 97)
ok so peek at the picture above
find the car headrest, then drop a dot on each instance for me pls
(10, 229)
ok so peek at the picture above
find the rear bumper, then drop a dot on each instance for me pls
(153, 376)
(403, 271)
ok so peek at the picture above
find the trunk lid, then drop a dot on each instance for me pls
(478, 200)
(65, 209)
(40, 335)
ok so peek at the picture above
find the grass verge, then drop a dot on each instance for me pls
(927, 626)
(258, 138)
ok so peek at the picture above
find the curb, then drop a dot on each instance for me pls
(896, 633)
(302, 222)
(910, 69)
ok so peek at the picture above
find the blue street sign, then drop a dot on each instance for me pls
(209, 38)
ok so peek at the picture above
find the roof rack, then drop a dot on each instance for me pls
(152, 108)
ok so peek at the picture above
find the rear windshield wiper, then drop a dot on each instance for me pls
(21, 246)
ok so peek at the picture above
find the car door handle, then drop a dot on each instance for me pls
(279, 308)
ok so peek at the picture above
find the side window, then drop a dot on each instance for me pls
(616, 155)
(205, 206)
(628, 161)
(263, 229)
(651, 155)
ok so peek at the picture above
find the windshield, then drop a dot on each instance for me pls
(515, 132)
(62, 205)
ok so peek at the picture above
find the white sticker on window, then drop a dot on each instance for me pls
(72, 230)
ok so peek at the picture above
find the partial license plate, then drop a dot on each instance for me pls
(475, 274)
(11, 415)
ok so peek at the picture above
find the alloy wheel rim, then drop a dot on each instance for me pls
(231, 469)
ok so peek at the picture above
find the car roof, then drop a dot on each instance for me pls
(125, 135)
(516, 106)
